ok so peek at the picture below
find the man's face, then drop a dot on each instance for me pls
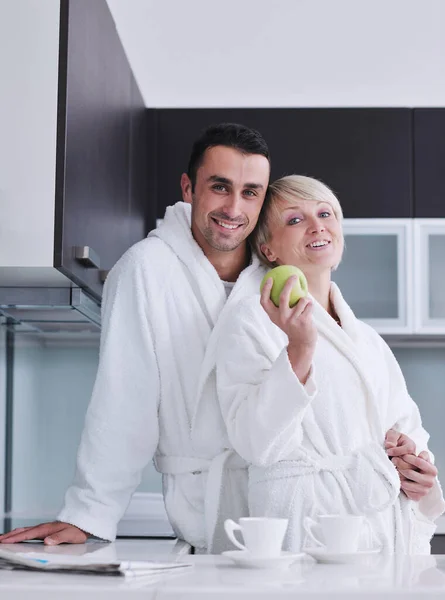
(229, 193)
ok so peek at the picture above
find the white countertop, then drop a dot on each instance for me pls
(416, 578)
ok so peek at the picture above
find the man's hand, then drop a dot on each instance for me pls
(417, 474)
(52, 534)
(398, 444)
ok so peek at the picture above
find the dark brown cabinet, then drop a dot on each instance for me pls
(103, 192)
(429, 162)
(363, 154)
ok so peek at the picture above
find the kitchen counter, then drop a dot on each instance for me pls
(215, 577)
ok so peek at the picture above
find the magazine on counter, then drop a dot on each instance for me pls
(36, 561)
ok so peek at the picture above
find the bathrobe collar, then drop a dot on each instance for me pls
(347, 340)
(175, 231)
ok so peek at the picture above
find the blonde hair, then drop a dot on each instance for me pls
(285, 191)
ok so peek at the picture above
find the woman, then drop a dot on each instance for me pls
(309, 393)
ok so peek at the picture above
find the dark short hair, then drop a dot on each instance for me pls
(241, 138)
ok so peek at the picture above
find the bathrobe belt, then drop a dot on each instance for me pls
(367, 467)
(181, 465)
(367, 478)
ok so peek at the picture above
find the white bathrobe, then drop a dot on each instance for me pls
(319, 448)
(161, 302)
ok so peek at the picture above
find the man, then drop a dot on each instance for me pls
(161, 302)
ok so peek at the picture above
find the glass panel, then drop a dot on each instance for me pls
(368, 277)
(2, 411)
(436, 244)
(423, 369)
(53, 381)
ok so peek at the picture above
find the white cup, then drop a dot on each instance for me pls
(263, 536)
(340, 533)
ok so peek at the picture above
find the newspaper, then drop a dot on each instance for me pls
(58, 563)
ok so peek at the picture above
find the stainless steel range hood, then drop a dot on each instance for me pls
(50, 310)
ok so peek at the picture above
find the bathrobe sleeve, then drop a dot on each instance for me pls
(121, 427)
(262, 400)
(404, 416)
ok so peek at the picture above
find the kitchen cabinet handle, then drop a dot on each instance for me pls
(87, 256)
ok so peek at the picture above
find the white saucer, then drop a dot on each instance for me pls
(322, 556)
(245, 559)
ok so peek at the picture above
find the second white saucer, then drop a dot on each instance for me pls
(322, 556)
(247, 560)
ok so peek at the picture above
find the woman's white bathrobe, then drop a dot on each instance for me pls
(319, 448)
(161, 302)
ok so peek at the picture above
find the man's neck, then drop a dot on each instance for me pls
(229, 265)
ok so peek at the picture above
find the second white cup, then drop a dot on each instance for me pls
(263, 536)
(339, 533)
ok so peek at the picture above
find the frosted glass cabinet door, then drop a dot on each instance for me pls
(429, 275)
(375, 273)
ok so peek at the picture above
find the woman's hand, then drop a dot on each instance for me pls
(297, 324)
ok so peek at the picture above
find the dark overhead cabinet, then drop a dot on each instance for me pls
(363, 154)
(103, 148)
(429, 162)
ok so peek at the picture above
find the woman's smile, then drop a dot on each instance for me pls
(318, 245)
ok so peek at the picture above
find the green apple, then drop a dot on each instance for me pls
(280, 275)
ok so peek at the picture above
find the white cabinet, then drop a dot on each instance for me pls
(393, 274)
(375, 275)
(429, 276)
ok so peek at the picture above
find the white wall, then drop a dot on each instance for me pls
(29, 42)
(258, 53)
(28, 464)
(52, 389)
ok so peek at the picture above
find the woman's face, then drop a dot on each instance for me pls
(306, 235)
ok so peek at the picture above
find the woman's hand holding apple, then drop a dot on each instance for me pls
(297, 324)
